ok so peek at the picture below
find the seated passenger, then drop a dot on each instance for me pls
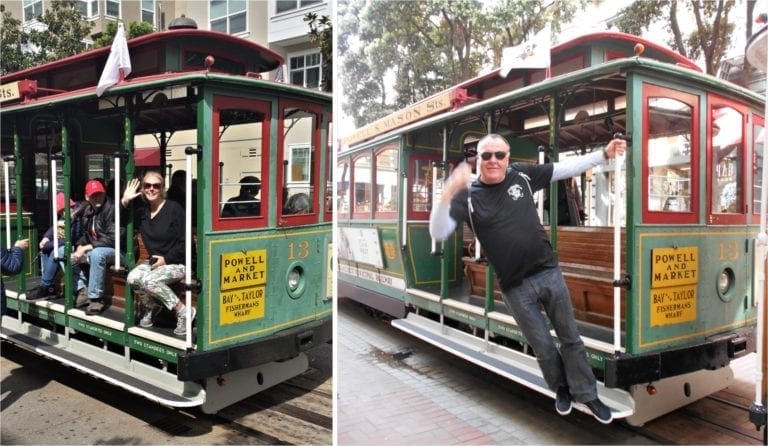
(96, 246)
(177, 192)
(298, 204)
(246, 203)
(47, 288)
(161, 224)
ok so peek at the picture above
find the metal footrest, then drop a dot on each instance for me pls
(504, 361)
(113, 368)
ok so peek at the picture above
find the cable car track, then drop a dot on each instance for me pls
(298, 411)
(721, 418)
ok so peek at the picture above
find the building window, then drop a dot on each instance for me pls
(32, 9)
(289, 5)
(113, 8)
(306, 70)
(228, 16)
(299, 164)
(88, 8)
(148, 11)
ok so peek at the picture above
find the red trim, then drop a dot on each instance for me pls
(716, 218)
(756, 121)
(317, 190)
(339, 214)
(353, 189)
(99, 56)
(412, 175)
(223, 102)
(375, 182)
(649, 91)
(590, 39)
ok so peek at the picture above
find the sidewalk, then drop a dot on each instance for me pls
(381, 403)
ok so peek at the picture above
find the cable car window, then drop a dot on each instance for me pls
(362, 193)
(669, 155)
(241, 153)
(342, 189)
(757, 166)
(727, 160)
(421, 186)
(300, 136)
(386, 181)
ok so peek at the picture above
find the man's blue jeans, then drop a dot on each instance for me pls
(51, 267)
(99, 260)
(569, 366)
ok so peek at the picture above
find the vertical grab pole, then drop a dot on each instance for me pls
(7, 185)
(54, 216)
(540, 193)
(762, 241)
(189, 152)
(404, 237)
(617, 206)
(117, 212)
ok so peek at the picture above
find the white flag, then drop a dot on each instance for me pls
(533, 53)
(118, 59)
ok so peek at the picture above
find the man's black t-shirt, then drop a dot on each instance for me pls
(506, 222)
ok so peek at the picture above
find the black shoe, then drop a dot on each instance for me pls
(563, 403)
(43, 292)
(95, 307)
(600, 411)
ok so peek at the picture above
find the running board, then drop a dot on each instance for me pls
(150, 382)
(504, 361)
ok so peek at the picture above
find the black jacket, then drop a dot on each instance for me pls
(98, 226)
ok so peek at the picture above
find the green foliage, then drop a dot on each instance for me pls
(135, 29)
(321, 32)
(64, 33)
(395, 53)
(63, 37)
(708, 40)
(12, 42)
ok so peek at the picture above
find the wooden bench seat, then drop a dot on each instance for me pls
(116, 283)
(586, 259)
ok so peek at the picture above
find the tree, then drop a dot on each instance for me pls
(64, 34)
(135, 29)
(395, 53)
(321, 32)
(709, 39)
(12, 44)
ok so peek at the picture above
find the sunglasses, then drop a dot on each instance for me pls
(153, 186)
(500, 155)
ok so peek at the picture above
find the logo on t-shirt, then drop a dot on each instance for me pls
(515, 191)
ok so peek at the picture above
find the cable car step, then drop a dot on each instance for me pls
(506, 362)
(58, 348)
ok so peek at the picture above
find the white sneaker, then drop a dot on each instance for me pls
(148, 319)
(181, 321)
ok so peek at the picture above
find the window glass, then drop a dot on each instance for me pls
(241, 145)
(300, 154)
(386, 180)
(362, 177)
(148, 11)
(757, 188)
(421, 187)
(285, 5)
(342, 188)
(669, 155)
(305, 70)
(727, 147)
(228, 16)
(113, 8)
(32, 9)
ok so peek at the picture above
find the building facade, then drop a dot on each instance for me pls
(276, 24)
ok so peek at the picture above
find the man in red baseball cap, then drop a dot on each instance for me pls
(96, 247)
